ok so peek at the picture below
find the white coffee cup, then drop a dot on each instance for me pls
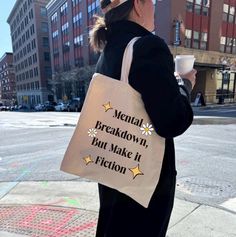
(184, 64)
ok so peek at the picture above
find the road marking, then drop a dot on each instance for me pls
(230, 204)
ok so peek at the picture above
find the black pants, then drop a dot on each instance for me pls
(120, 216)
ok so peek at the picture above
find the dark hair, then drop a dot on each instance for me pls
(98, 35)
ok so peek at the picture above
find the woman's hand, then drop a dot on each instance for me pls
(191, 76)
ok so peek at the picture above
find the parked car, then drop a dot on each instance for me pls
(39, 107)
(49, 106)
(13, 108)
(61, 106)
(3, 108)
(75, 105)
(23, 108)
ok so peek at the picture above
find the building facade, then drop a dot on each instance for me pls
(31, 51)
(207, 29)
(7, 80)
(70, 22)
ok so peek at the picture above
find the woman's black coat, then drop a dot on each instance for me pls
(151, 74)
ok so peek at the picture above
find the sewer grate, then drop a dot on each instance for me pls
(205, 187)
(43, 221)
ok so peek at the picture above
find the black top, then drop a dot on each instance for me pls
(152, 75)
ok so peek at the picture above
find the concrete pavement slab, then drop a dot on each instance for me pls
(79, 194)
(181, 210)
(206, 221)
(7, 234)
(188, 219)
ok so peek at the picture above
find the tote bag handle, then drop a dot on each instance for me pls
(127, 60)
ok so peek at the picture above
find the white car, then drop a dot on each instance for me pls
(61, 106)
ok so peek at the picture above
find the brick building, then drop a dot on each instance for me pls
(7, 80)
(69, 24)
(31, 53)
(207, 29)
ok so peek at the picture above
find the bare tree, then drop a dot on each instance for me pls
(73, 83)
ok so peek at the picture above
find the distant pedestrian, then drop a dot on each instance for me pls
(167, 103)
(202, 100)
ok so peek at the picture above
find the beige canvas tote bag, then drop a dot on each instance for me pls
(114, 142)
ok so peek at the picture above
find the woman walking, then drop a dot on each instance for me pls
(166, 102)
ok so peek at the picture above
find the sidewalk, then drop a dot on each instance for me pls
(70, 208)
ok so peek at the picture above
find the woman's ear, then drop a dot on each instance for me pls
(138, 7)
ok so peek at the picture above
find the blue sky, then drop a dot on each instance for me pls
(5, 38)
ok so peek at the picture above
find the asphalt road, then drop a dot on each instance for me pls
(216, 111)
(32, 147)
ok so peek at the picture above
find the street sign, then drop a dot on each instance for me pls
(177, 40)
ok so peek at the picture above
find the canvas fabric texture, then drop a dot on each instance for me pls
(114, 142)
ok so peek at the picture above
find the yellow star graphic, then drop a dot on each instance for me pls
(136, 171)
(88, 159)
(107, 106)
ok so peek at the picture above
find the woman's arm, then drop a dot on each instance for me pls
(152, 74)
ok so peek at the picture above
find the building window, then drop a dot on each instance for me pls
(203, 43)
(225, 12)
(44, 27)
(30, 60)
(55, 34)
(189, 6)
(229, 43)
(48, 72)
(93, 8)
(32, 30)
(22, 26)
(54, 17)
(33, 44)
(31, 73)
(45, 42)
(77, 20)
(29, 2)
(37, 85)
(231, 14)
(78, 41)
(64, 9)
(222, 43)
(234, 46)
(31, 14)
(196, 39)
(75, 2)
(64, 28)
(205, 11)
(38, 99)
(197, 9)
(43, 11)
(26, 21)
(36, 72)
(66, 46)
(46, 56)
(27, 34)
(35, 58)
